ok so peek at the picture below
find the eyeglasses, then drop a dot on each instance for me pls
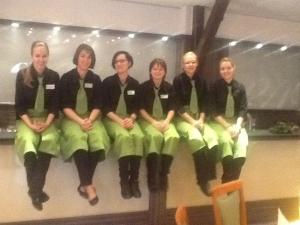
(120, 61)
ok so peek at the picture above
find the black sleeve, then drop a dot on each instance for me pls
(178, 95)
(53, 106)
(171, 99)
(203, 104)
(134, 107)
(66, 98)
(213, 101)
(97, 100)
(140, 100)
(243, 103)
(19, 96)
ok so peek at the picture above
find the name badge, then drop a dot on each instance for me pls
(131, 92)
(50, 86)
(88, 85)
(166, 96)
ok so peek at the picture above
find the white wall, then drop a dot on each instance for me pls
(243, 27)
(108, 14)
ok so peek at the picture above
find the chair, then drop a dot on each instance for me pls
(181, 216)
(229, 204)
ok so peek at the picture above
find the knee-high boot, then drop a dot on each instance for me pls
(166, 161)
(135, 162)
(200, 162)
(124, 173)
(237, 167)
(211, 163)
(228, 173)
(153, 164)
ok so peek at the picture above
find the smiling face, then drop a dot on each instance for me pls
(84, 60)
(190, 63)
(157, 72)
(39, 56)
(227, 70)
(121, 64)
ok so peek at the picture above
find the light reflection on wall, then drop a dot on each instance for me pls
(63, 41)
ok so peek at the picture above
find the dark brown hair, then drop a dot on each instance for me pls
(27, 76)
(88, 49)
(127, 56)
(159, 62)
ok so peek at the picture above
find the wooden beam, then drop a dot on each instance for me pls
(198, 24)
(211, 28)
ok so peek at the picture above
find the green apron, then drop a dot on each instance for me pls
(235, 147)
(126, 142)
(29, 141)
(155, 141)
(195, 139)
(74, 138)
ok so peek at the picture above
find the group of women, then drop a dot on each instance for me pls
(139, 120)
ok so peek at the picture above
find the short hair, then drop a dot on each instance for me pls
(227, 59)
(88, 49)
(190, 53)
(159, 62)
(127, 56)
(39, 44)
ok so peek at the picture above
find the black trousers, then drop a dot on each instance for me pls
(37, 166)
(86, 163)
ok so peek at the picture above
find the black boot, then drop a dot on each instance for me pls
(124, 167)
(135, 162)
(166, 161)
(200, 162)
(228, 173)
(211, 157)
(30, 162)
(237, 167)
(153, 172)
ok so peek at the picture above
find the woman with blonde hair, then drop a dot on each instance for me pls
(37, 106)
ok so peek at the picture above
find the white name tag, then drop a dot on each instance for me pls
(88, 85)
(164, 96)
(50, 86)
(130, 92)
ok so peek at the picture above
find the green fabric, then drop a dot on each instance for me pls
(81, 100)
(121, 108)
(29, 141)
(126, 142)
(235, 147)
(229, 111)
(74, 138)
(160, 143)
(193, 136)
(230, 208)
(39, 100)
(193, 100)
(157, 111)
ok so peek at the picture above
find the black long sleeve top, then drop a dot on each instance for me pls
(69, 86)
(25, 95)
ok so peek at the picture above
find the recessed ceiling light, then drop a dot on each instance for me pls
(15, 25)
(95, 32)
(56, 29)
(131, 35)
(259, 45)
(73, 36)
(232, 43)
(283, 48)
(164, 38)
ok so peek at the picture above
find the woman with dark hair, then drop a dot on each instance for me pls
(157, 109)
(83, 135)
(120, 122)
(37, 106)
(229, 108)
(192, 102)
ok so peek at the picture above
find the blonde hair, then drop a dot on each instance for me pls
(227, 59)
(27, 76)
(189, 53)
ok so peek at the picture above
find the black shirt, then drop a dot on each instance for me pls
(183, 90)
(218, 95)
(112, 93)
(146, 96)
(26, 95)
(69, 86)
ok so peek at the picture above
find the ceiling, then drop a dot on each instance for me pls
(276, 9)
